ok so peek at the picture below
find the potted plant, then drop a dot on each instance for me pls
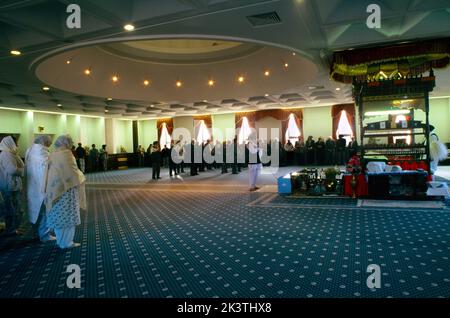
(330, 179)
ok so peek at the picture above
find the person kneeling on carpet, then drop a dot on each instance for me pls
(65, 193)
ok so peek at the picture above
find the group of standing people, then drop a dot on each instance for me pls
(317, 153)
(203, 156)
(54, 189)
(91, 160)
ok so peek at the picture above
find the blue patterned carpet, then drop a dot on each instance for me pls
(150, 243)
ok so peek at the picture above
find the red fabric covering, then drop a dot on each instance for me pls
(169, 125)
(353, 163)
(410, 165)
(362, 188)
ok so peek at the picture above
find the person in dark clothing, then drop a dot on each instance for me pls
(103, 158)
(289, 149)
(194, 166)
(80, 156)
(282, 154)
(156, 157)
(320, 152)
(352, 147)
(340, 150)
(140, 153)
(209, 148)
(310, 151)
(235, 167)
(330, 145)
(299, 152)
(165, 153)
(224, 157)
(93, 158)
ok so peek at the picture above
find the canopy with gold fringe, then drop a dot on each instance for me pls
(390, 62)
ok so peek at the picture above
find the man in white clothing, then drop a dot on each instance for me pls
(254, 161)
(36, 160)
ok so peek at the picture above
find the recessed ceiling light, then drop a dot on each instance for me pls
(146, 82)
(115, 78)
(178, 83)
(68, 62)
(266, 73)
(46, 88)
(266, 95)
(87, 71)
(128, 27)
(152, 106)
(286, 65)
(211, 82)
(59, 105)
(241, 79)
(109, 98)
(15, 52)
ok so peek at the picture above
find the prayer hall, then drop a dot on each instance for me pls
(253, 150)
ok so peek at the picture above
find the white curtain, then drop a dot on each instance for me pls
(292, 131)
(202, 132)
(244, 132)
(344, 127)
(165, 139)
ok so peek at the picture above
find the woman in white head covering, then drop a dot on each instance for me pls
(65, 193)
(36, 160)
(438, 150)
(11, 172)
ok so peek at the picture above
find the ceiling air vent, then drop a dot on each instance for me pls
(263, 19)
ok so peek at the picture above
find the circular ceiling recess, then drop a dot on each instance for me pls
(180, 51)
(176, 70)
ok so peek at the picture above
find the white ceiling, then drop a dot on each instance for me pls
(312, 29)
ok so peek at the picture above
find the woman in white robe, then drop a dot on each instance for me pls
(11, 173)
(36, 160)
(438, 151)
(65, 192)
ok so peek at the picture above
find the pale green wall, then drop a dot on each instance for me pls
(317, 122)
(124, 129)
(224, 123)
(27, 133)
(92, 131)
(147, 132)
(440, 117)
(11, 121)
(53, 124)
(73, 127)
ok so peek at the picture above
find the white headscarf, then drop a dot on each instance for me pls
(10, 161)
(9, 145)
(63, 173)
(44, 140)
(64, 141)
